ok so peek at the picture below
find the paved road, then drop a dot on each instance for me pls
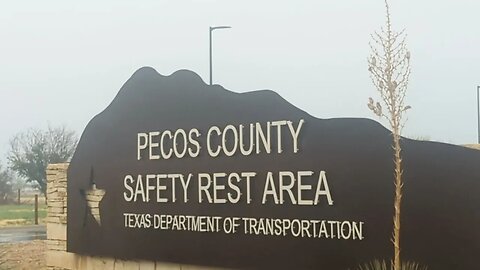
(22, 233)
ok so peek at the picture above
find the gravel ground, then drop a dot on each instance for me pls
(23, 255)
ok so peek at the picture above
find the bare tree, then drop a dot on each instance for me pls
(31, 152)
(389, 67)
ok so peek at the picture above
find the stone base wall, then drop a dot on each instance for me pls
(57, 256)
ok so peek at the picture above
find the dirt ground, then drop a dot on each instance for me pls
(23, 255)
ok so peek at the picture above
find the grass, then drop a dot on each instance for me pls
(23, 214)
(382, 265)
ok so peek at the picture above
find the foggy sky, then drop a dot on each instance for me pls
(62, 63)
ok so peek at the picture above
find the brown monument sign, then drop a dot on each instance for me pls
(179, 171)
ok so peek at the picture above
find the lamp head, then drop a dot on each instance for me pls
(219, 27)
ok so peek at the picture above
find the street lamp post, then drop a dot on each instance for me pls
(478, 112)
(211, 30)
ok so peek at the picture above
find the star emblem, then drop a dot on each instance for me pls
(93, 196)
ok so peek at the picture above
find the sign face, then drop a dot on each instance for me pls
(179, 171)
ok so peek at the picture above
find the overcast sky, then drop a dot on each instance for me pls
(63, 62)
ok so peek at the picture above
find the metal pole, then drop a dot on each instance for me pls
(210, 35)
(210, 55)
(478, 112)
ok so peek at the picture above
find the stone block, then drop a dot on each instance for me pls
(56, 245)
(58, 166)
(55, 198)
(94, 197)
(60, 259)
(63, 219)
(147, 265)
(56, 204)
(56, 231)
(126, 265)
(194, 267)
(52, 219)
(54, 210)
(94, 263)
(167, 266)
